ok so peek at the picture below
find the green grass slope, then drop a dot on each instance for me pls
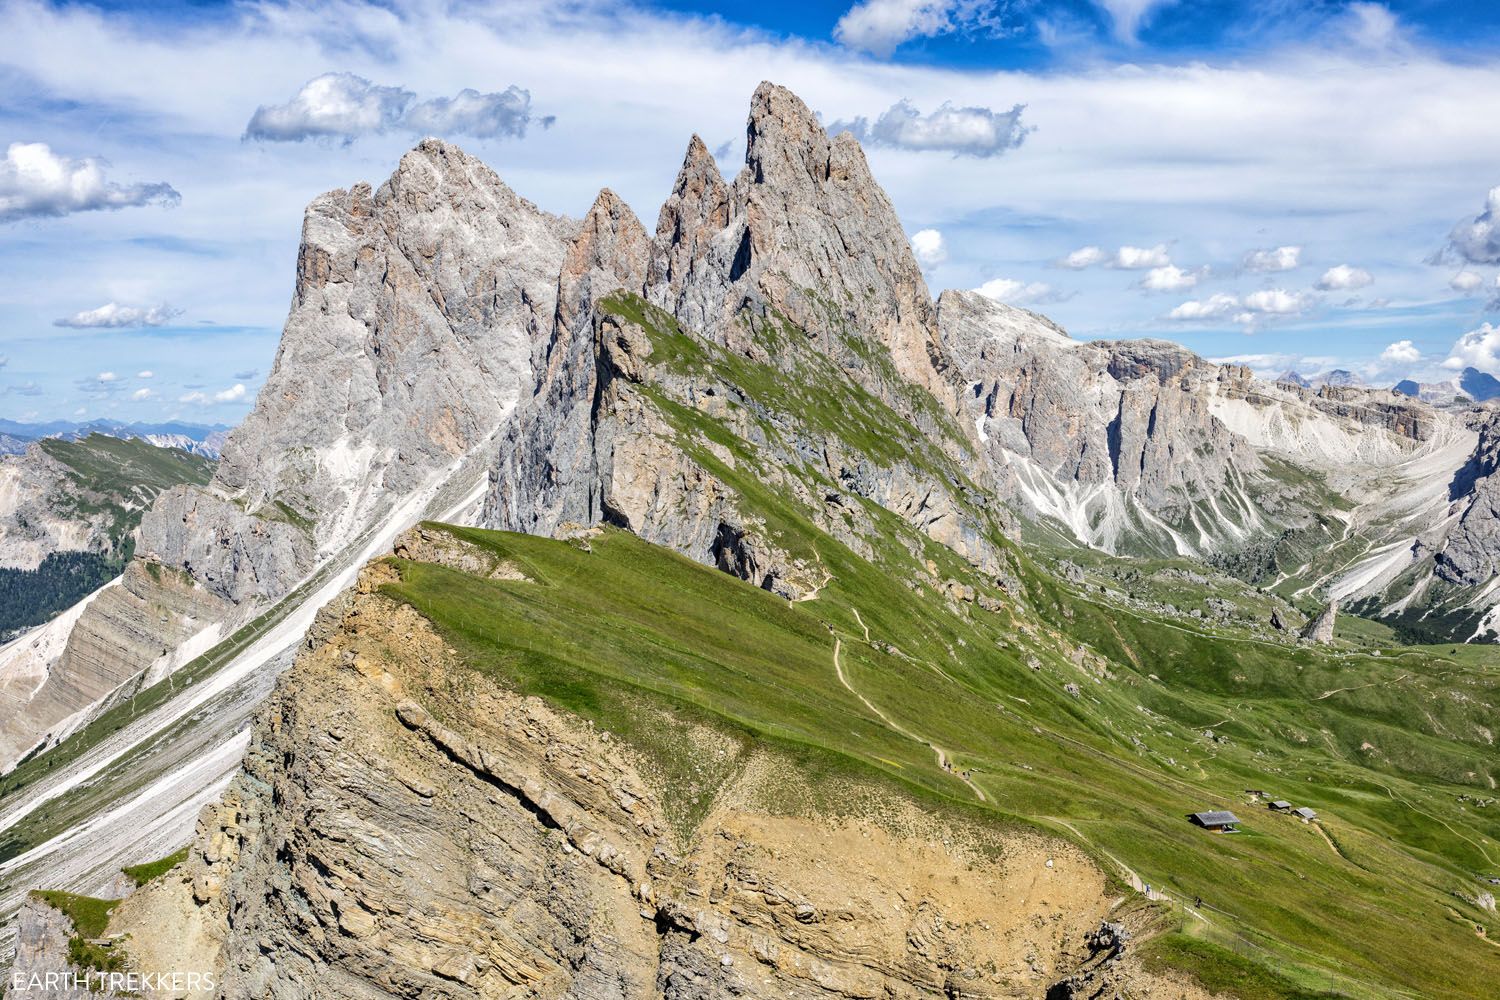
(633, 637)
(1051, 701)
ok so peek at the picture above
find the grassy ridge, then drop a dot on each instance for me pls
(1369, 903)
(668, 639)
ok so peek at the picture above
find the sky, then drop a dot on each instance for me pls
(1307, 186)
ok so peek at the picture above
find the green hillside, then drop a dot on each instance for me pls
(110, 482)
(1052, 703)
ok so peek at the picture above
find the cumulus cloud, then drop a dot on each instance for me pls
(345, 106)
(233, 394)
(879, 26)
(1402, 352)
(970, 131)
(1477, 240)
(1275, 301)
(1083, 257)
(1126, 258)
(104, 378)
(1476, 349)
(1216, 306)
(1018, 293)
(1343, 278)
(36, 183)
(1247, 310)
(113, 316)
(929, 248)
(1139, 258)
(1169, 278)
(1467, 282)
(145, 374)
(484, 116)
(1278, 259)
(141, 394)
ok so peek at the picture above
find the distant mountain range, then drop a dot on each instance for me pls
(196, 439)
(1471, 383)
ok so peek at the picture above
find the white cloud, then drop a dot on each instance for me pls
(1476, 349)
(114, 316)
(971, 131)
(1343, 277)
(1478, 240)
(929, 248)
(104, 378)
(141, 394)
(36, 182)
(1275, 302)
(346, 106)
(879, 26)
(1126, 258)
(233, 394)
(1216, 306)
(1279, 259)
(1402, 352)
(1138, 258)
(1017, 293)
(1466, 281)
(1129, 15)
(145, 374)
(1170, 278)
(1083, 257)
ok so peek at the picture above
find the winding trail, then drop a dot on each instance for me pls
(939, 752)
(1361, 687)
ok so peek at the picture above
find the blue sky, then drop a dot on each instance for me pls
(1291, 184)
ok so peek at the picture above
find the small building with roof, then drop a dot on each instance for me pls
(1217, 820)
(1281, 805)
(1306, 814)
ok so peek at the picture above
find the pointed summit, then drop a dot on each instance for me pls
(695, 212)
(610, 252)
(806, 234)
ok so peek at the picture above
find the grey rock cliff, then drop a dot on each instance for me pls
(805, 233)
(1076, 416)
(409, 341)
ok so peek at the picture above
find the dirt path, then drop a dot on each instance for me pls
(939, 752)
(1361, 687)
(1328, 840)
(1130, 874)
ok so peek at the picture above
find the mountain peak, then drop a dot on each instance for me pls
(783, 135)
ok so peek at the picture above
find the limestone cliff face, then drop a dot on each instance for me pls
(1470, 554)
(409, 340)
(404, 827)
(1108, 429)
(737, 266)
(804, 232)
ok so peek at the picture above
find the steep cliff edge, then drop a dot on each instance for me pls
(405, 825)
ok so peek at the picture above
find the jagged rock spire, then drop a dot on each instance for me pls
(804, 232)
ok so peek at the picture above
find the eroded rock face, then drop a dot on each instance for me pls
(805, 233)
(1470, 555)
(1130, 416)
(126, 628)
(404, 827)
(409, 341)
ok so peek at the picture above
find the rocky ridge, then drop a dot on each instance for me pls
(481, 798)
